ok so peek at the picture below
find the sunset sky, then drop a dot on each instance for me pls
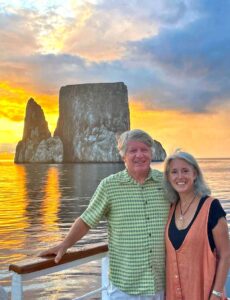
(174, 57)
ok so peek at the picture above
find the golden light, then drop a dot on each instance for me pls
(12, 111)
(51, 202)
(199, 134)
(13, 220)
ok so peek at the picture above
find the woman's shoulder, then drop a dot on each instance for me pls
(211, 200)
(216, 212)
(216, 206)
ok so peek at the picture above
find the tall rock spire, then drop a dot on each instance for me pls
(37, 145)
(35, 126)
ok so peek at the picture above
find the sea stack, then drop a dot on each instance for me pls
(37, 145)
(159, 152)
(91, 116)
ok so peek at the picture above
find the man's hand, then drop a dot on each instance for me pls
(76, 232)
(58, 251)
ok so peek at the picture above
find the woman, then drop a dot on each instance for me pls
(197, 241)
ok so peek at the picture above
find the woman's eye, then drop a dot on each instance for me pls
(173, 172)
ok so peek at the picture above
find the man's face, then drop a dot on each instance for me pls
(138, 157)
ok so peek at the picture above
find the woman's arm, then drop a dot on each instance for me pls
(221, 239)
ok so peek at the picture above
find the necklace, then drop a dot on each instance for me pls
(181, 218)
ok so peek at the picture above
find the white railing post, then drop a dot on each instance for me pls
(3, 294)
(104, 277)
(32, 269)
(16, 288)
(227, 285)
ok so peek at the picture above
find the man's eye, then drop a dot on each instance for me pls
(132, 151)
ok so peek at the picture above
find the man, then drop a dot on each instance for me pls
(133, 203)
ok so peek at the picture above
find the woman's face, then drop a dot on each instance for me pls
(181, 176)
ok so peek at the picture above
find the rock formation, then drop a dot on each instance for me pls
(37, 145)
(159, 152)
(90, 118)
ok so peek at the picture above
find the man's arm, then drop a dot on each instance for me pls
(76, 232)
(92, 215)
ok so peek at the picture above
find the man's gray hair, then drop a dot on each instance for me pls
(200, 185)
(134, 135)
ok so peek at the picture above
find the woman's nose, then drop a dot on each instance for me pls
(179, 174)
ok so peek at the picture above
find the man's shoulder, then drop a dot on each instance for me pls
(116, 177)
(157, 175)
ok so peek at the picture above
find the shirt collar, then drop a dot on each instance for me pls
(154, 175)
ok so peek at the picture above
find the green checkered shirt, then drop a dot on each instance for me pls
(137, 215)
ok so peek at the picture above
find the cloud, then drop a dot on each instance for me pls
(192, 62)
(100, 31)
(17, 36)
(171, 55)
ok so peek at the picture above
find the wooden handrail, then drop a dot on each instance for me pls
(41, 263)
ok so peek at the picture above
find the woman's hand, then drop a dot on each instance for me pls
(213, 297)
(221, 238)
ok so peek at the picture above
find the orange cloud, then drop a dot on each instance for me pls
(12, 112)
(204, 135)
(14, 100)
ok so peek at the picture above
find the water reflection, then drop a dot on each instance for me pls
(51, 203)
(38, 202)
(36, 187)
(13, 217)
(80, 180)
(77, 184)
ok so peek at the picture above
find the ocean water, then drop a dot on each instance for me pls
(39, 202)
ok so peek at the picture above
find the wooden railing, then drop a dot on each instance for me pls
(36, 267)
(33, 268)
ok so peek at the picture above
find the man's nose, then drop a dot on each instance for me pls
(139, 153)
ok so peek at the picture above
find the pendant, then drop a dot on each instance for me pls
(181, 218)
